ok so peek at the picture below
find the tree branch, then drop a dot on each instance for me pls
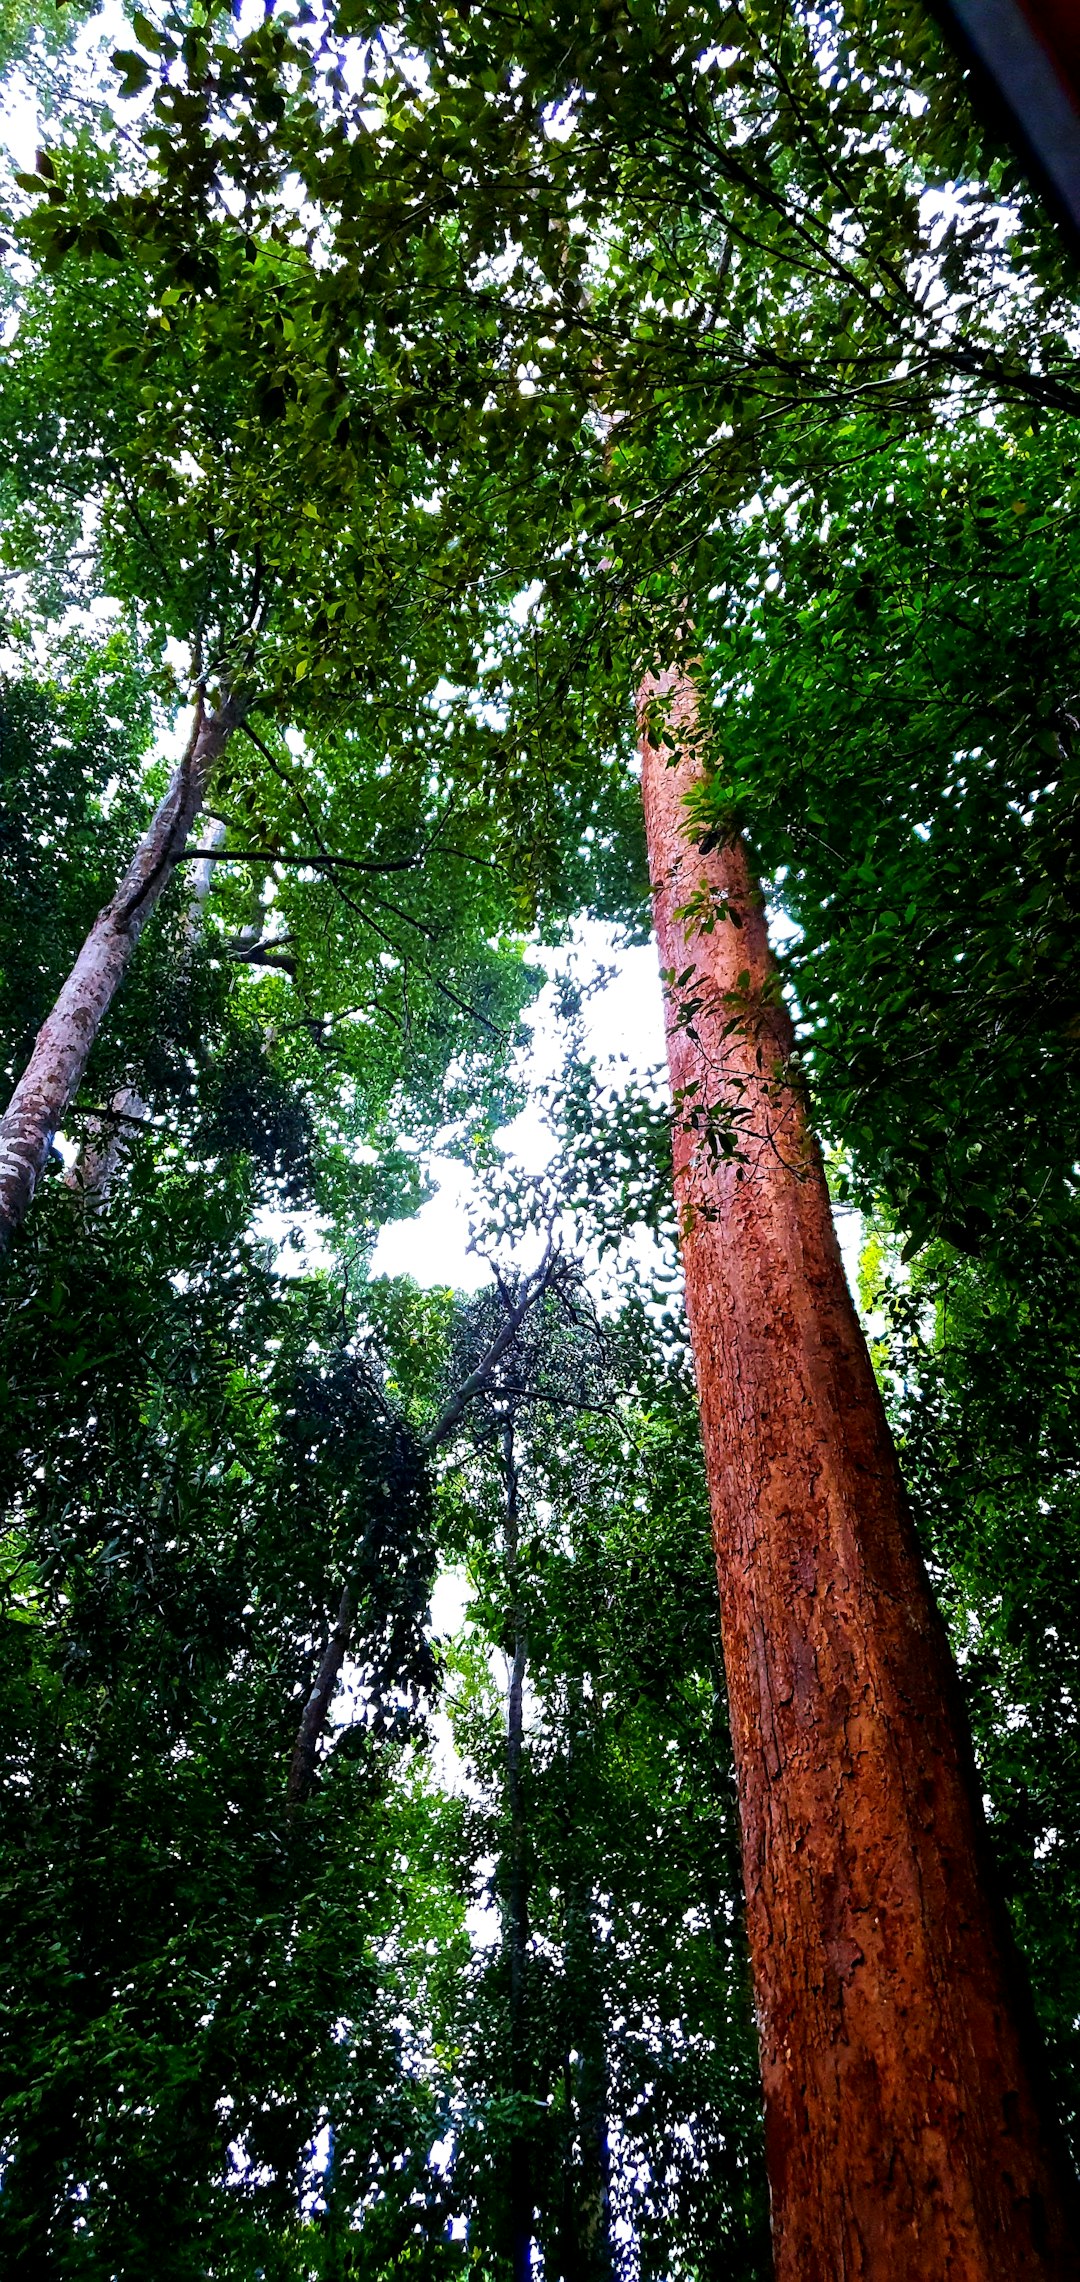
(320, 863)
(479, 1380)
(302, 1770)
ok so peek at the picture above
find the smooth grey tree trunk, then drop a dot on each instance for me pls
(62, 1048)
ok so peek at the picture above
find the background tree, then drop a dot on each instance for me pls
(641, 2148)
(332, 437)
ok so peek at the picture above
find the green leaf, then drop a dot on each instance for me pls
(133, 70)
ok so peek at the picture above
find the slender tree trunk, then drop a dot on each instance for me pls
(903, 2131)
(214, 834)
(594, 2197)
(588, 2213)
(66, 1037)
(520, 2181)
(569, 2266)
(108, 1137)
(313, 1719)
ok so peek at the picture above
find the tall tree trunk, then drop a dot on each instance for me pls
(64, 1042)
(593, 2212)
(587, 2220)
(108, 1137)
(520, 2167)
(903, 2132)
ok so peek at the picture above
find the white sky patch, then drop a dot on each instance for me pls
(624, 1032)
(451, 1597)
(450, 1602)
(20, 122)
(433, 1247)
(523, 602)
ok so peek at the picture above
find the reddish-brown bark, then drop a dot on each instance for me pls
(63, 1044)
(904, 2138)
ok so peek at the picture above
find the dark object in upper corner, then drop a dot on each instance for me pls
(1024, 58)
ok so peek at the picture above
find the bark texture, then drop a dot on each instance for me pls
(108, 1137)
(64, 1042)
(905, 2136)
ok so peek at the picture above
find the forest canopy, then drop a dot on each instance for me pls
(387, 395)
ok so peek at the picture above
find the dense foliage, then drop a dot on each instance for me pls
(419, 374)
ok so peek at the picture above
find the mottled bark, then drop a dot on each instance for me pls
(108, 1134)
(64, 1042)
(904, 2134)
(588, 2249)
